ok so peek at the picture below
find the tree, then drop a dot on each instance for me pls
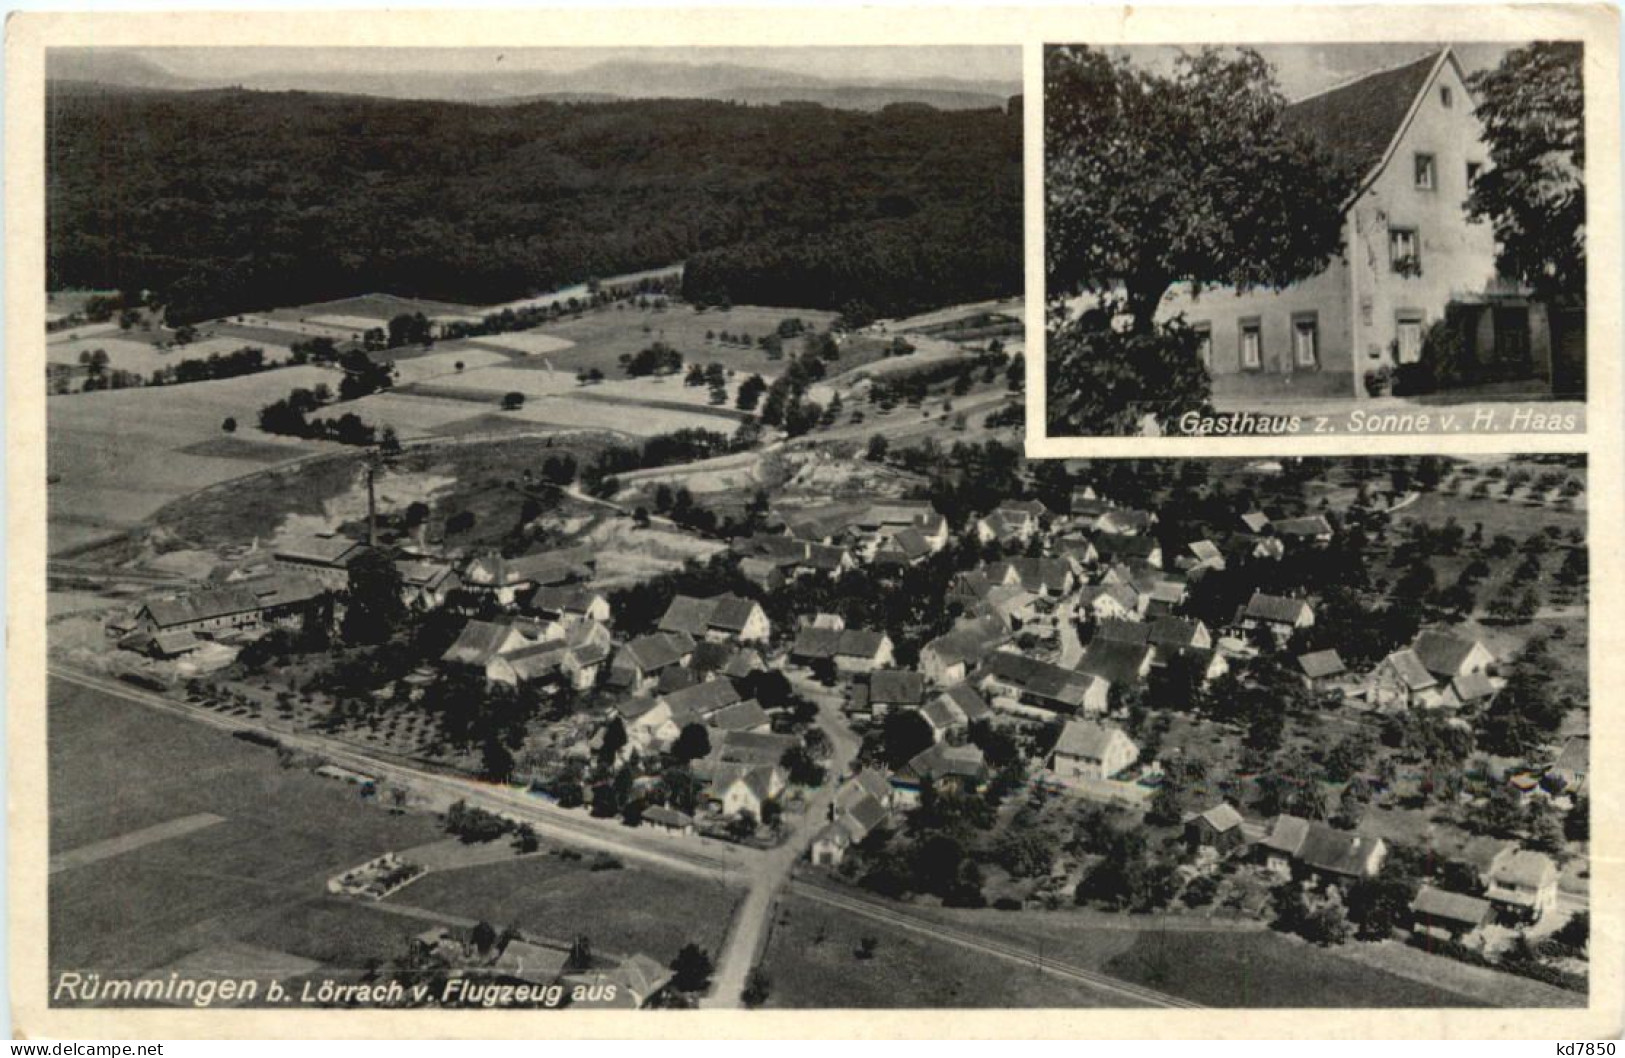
(513, 400)
(483, 935)
(1533, 110)
(878, 446)
(905, 734)
(692, 968)
(614, 740)
(692, 743)
(375, 609)
(581, 952)
(1192, 176)
(230, 426)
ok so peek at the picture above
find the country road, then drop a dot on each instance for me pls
(770, 874)
(712, 859)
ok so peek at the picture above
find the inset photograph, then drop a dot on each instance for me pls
(1311, 239)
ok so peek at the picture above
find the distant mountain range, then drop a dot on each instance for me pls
(110, 68)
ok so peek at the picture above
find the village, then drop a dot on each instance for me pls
(1306, 696)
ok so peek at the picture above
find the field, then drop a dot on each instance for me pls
(599, 339)
(137, 350)
(627, 910)
(811, 961)
(117, 456)
(248, 891)
(1212, 966)
(240, 880)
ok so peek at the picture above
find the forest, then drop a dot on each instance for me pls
(225, 201)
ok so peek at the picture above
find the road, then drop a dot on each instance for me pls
(700, 857)
(1132, 994)
(769, 874)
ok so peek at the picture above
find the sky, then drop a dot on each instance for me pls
(974, 63)
(1304, 69)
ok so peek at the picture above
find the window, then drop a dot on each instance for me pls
(1408, 337)
(1306, 339)
(1473, 169)
(1446, 98)
(1204, 343)
(1402, 251)
(1427, 177)
(1252, 344)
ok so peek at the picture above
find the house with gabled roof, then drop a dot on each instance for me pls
(1091, 750)
(1302, 847)
(886, 691)
(1011, 523)
(639, 663)
(426, 584)
(1037, 690)
(1052, 577)
(1449, 656)
(1116, 663)
(949, 767)
(1278, 613)
(1114, 601)
(1402, 681)
(719, 617)
(1447, 915)
(950, 657)
(1134, 550)
(510, 578)
(568, 603)
(1220, 827)
(1411, 254)
(1321, 669)
(851, 649)
(1522, 884)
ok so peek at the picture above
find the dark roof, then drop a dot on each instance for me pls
(1450, 907)
(896, 687)
(1335, 851)
(202, 606)
(1114, 630)
(1275, 608)
(658, 650)
(1356, 122)
(687, 614)
(1114, 662)
(1321, 663)
(731, 612)
(816, 642)
(1176, 631)
(1442, 652)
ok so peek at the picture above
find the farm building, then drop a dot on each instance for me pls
(327, 558)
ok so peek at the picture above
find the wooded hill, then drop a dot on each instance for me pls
(226, 201)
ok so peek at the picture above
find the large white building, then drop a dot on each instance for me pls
(1411, 256)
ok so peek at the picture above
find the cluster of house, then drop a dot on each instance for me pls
(830, 542)
(632, 983)
(1515, 886)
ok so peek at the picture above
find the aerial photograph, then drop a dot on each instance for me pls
(1367, 239)
(550, 530)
